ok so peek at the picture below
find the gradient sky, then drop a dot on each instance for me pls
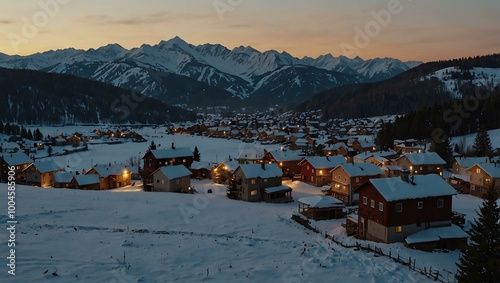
(424, 30)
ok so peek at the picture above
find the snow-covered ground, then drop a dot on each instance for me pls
(481, 77)
(127, 235)
(469, 139)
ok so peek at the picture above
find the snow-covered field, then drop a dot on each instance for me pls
(127, 235)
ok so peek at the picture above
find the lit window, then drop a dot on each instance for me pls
(307, 167)
(357, 179)
(399, 229)
(440, 203)
(365, 200)
(372, 203)
(380, 206)
(478, 171)
(320, 171)
(163, 181)
(253, 193)
(265, 180)
(183, 160)
(420, 205)
(252, 181)
(312, 170)
(411, 167)
(399, 207)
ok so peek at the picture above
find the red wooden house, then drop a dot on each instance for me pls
(154, 159)
(315, 170)
(390, 209)
(288, 161)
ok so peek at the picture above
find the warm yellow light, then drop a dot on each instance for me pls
(411, 167)
(321, 171)
(281, 163)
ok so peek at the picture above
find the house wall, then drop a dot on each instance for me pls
(480, 182)
(151, 164)
(20, 176)
(315, 176)
(419, 169)
(341, 181)
(254, 191)
(163, 184)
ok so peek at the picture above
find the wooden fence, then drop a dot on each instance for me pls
(434, 274)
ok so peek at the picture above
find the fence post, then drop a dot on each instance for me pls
(409, 262)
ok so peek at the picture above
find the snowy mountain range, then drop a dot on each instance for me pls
(176, 71)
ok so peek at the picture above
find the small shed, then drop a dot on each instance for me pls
(278, 194)
(321, 207)
(447, 237)
(86, 182)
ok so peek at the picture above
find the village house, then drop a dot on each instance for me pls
(378, 158)
(363, 145)
(154, 159)
(41, 174)
(288, 161)
(315, 170)
(173, 178)
(321, 207)
(391, 209)
(19, 160)
(112, 176)
(252, 180)
(460, 177)
(484, 177)
(201, 170)
(347, 178)
(250, 155)
(63, 179)
(422, 163)
(339, 148)
(86, 182)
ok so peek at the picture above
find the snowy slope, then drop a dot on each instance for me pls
(452, 78)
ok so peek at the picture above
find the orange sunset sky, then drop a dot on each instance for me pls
(421, 30)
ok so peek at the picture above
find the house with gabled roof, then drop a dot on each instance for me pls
(250, 155)
(258, 182)
(86, 182)
(287, 160)
(173, 178)
(363, 145)
(19, 161)
(315, 170)
(391, 209)
(41, 174)
(484, 177)
(63, 179)
(321, 207)
(422, 163)
(347, 178)
(154, 159)
(112, 176)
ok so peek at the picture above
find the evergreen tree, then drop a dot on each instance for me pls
(24, 133)
(196, 154)
(443, 149)
(1, 127)
(30, 135)
(481, 260)
(49, 150)
(38, 135)
(482, 144)
(152, 146)
(232, 190)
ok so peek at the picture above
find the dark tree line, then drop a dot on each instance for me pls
(31, 97)
(16, 130)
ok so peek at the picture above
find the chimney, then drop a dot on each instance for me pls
(263, 166)
(405, 175)
(173, 145)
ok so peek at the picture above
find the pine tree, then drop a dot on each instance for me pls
(444, 150)
(196, 154)
(38, 135)
(152, 146)
(49, 150)
(30, 135)
(24, 133)
(482, 143)
(481, 260)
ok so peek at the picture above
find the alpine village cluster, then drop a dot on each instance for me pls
(398, 194)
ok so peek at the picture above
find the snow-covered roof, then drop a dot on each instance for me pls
(89, 179)
(174, 171)
(492, 169)
(320, 162)
(423, 158)
(378, 154)
(256, 170)
(172, 153)
(108, 170)
(63, 177)
(276, 189)
(435, 234)
(467, 162)
(251, 153)
(320, 201)
(360, 169)
(200, 165)
(17, 158)
(423, 186)
(281, 155)
(46, 166)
